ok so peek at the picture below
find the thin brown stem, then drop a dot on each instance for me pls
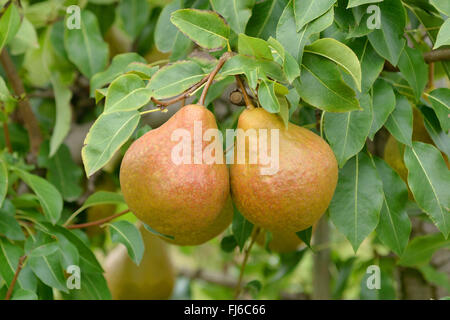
(212, 75)
(16, 275)
(248, 101)
(244, 262)
(437, 55)
(27, 115)
(182, 96)
(430, 84)
(98, 222)
(7, 136)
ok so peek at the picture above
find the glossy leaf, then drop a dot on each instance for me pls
(236, 12)
(9, 226)
(175, 78)
(440, 138)
(443, 37)
(116, 68)
(394, 227)
(322, 86)
(63, 94)
(126, 233)
(414, 69)
(108, 133)
(440, 100)
(356, 3)
(264, 19)
(134, 14)
(347, 132)
(383, 105)
(9, 25)
(206, 29)
(400, 121)
(267, 96)
(420, 250)
(126, 93)
(166, 34)
(101, 198)
(9, 259)
(429, 181)
(362, 189)
(308, 10)
(388, 41)
(49, 197)
(254, 47)
(442, 5)
(340, 54)
(85, 46)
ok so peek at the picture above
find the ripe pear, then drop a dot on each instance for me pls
(183, 199)
(297, 195)
(153, 279)
(281, 242)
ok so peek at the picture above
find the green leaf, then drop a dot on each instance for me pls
(62, 171)
(305, 236)
(439, 137)
(440, 279)
(383, 105)
(429, 181)
(440, 100)
(8, 224)
(9, 259)
(126, 233)
(85, 46)
(63, 112)
(400, 121)
(126, 93)
(442, 5)
(144, 71)
(9, 25)
(267, 96)
(321, 85)
(175, 78)
(108, 133)
(347, 132)
(254, 47)
(228, 243)
(420, 250)
(241, 227)
(264, 19)
(49, 197)
(443, 37)
(49, 270)
(22, 294)
(388, 41)
(116, 68)
(100, 198)
(308, 10)
(44, 249)
(356, 3)
(3, 181)
(93, 287)
(235, 12)
(293, 41)
(134, 14)
(357, 200)
(340, 54)
(25, 38)
(345, 269)
(290, 65)
(159, 234)
(205, 28)
(166, 34)
(394, 227)
(414, 69)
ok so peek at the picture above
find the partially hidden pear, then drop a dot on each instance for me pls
(299, 192)
(171, 188)
(281, 242)
(153, 279)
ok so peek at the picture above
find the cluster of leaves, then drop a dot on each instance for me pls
(297, 56)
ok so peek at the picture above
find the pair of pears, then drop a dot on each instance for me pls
(191, 203)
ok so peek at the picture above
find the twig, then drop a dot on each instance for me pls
(27, 115)
(430, 84)
(16, 275)
(182, 96)
(6, 134)
(212, 75)
(248, 101)
(437, 55)
(97, 222)
(244, 262)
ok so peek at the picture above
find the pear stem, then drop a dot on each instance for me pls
(244, 262)
(98, 222)
(212, 75)
(248, 101)
(16, 275)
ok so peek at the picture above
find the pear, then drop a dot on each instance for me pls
(295, 196)
(153, 279)
(281, 242)
(175, 192)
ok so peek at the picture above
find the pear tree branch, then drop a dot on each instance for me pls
(98, 222)
(213, 74)
(16, 275)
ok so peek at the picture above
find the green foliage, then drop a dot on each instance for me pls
(328, 65)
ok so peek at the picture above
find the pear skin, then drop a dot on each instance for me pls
(153, 279)
(182, 200)
(281, 242)
(296, 196)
